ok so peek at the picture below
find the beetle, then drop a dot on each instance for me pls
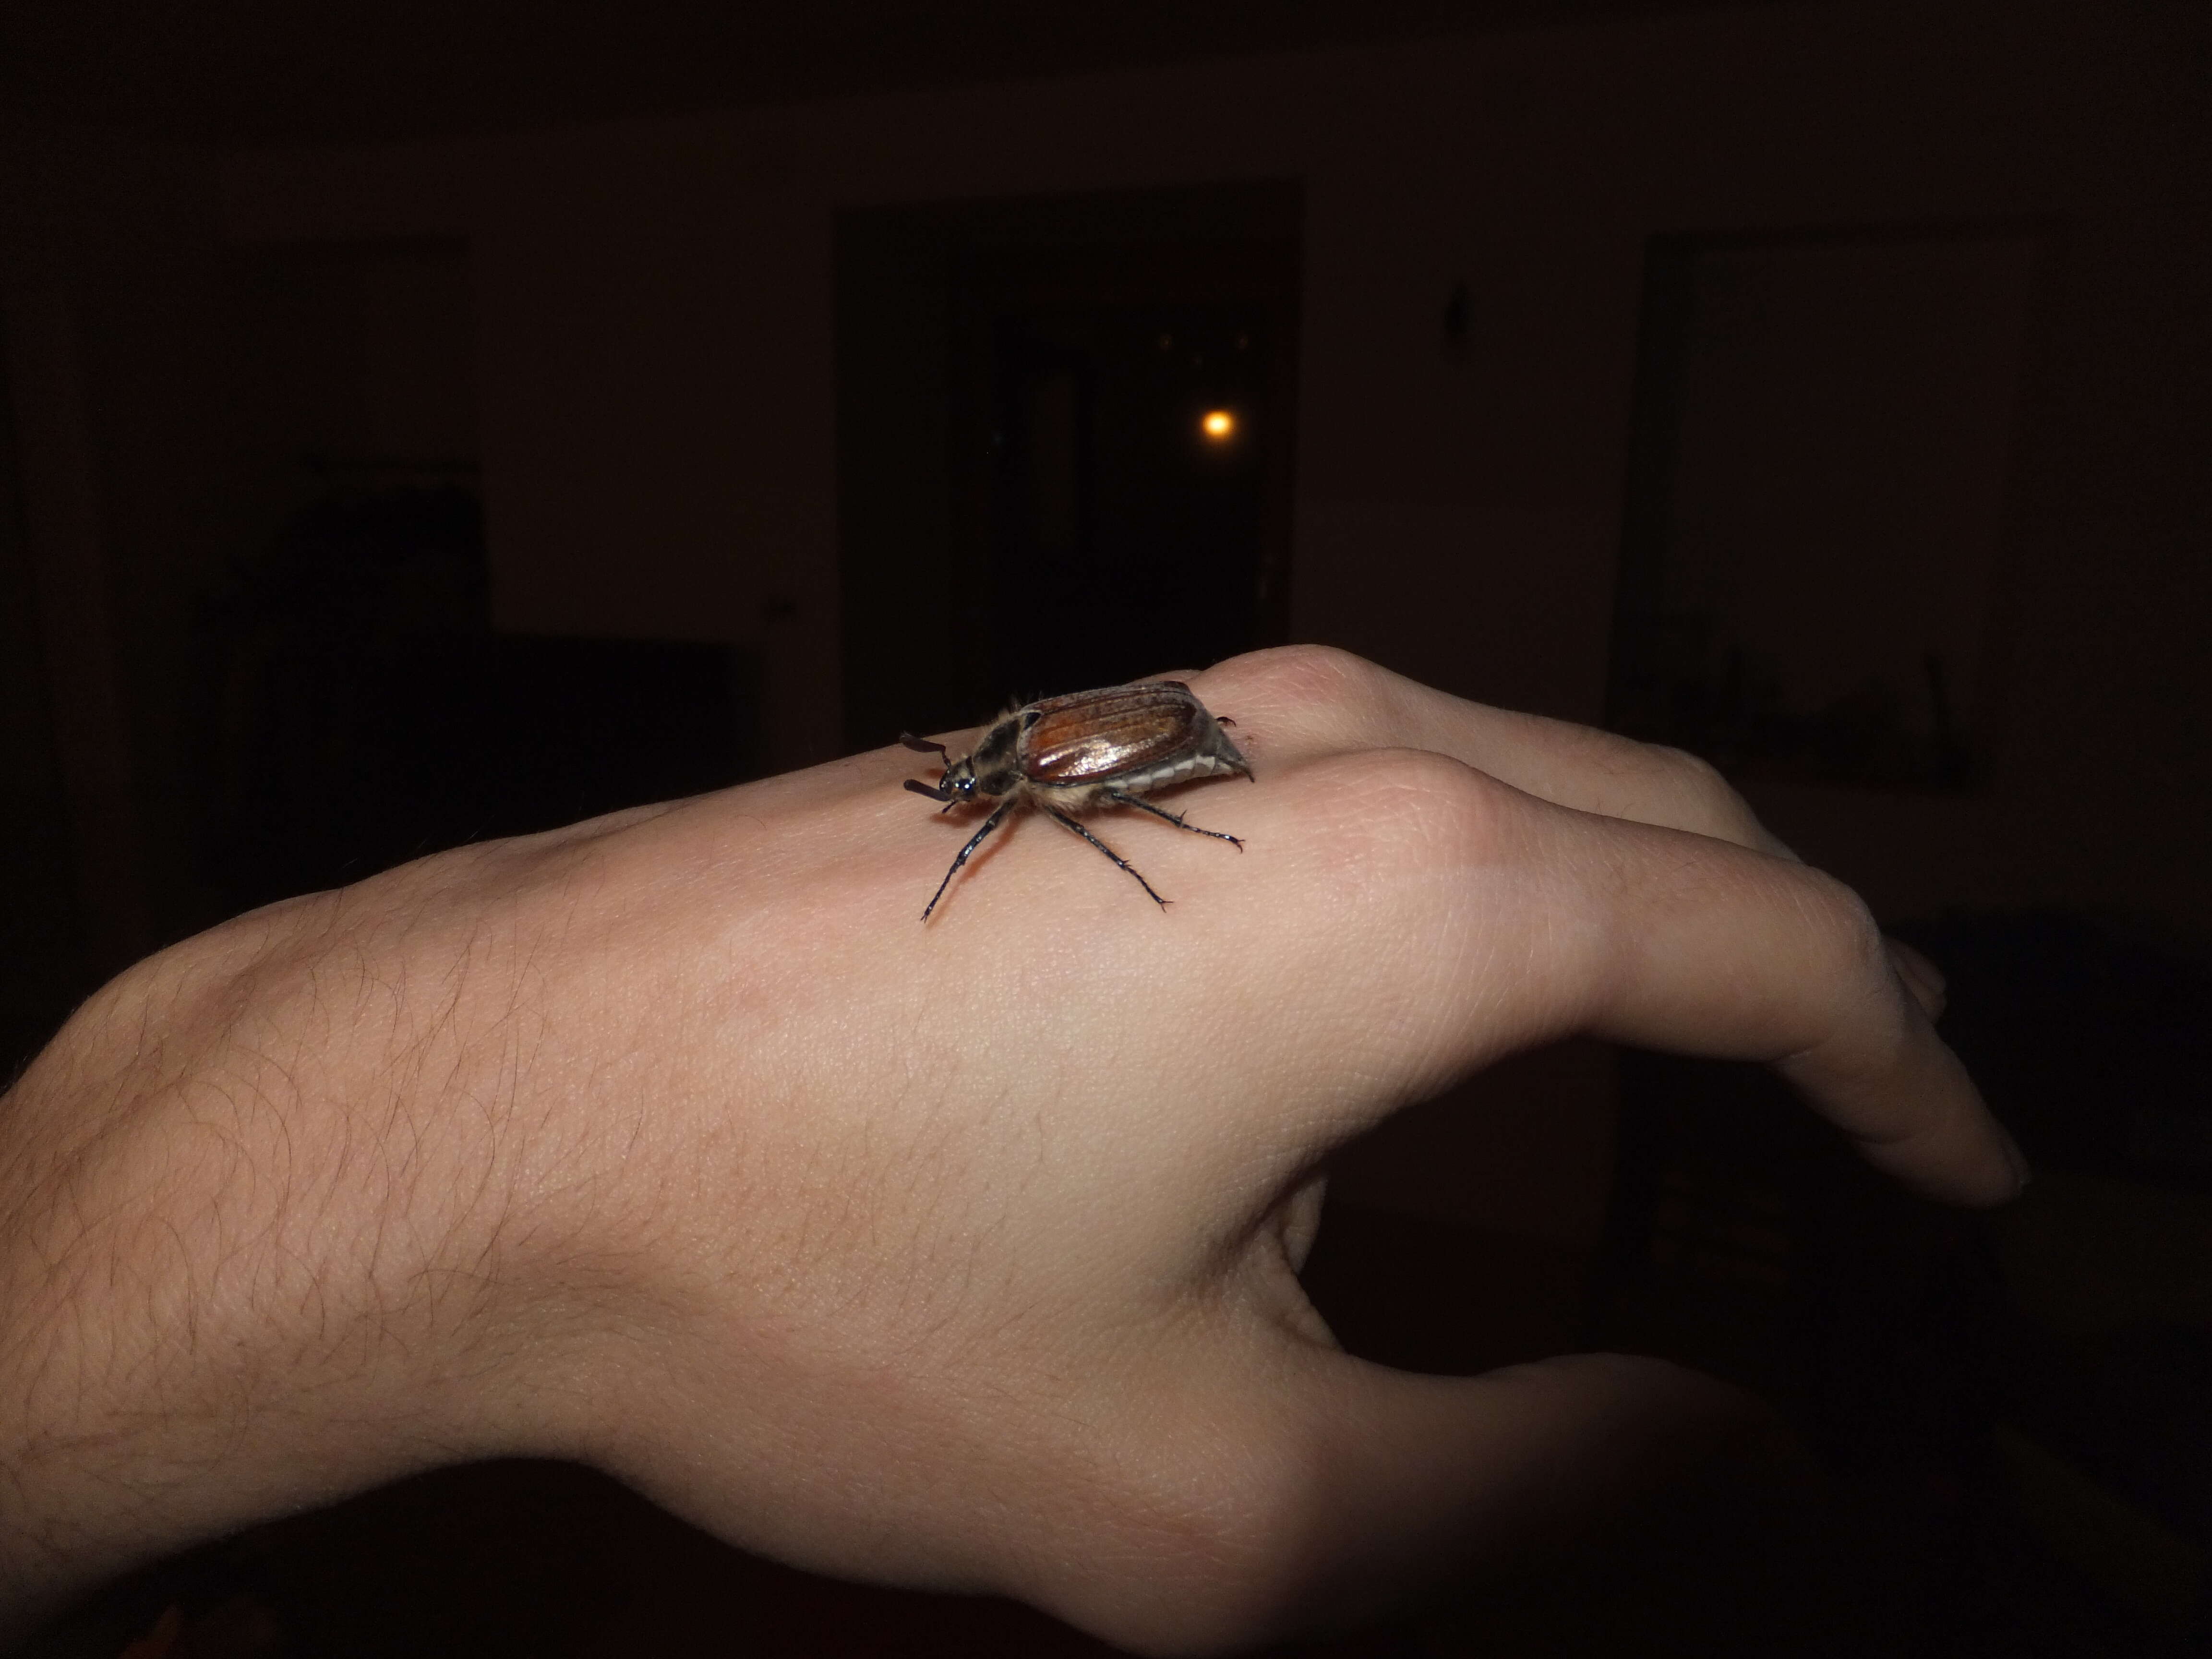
(1066, 755)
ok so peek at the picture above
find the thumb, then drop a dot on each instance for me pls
(1314, 1490)
(1498, 1474)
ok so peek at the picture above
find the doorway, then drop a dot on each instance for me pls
(1064, 444)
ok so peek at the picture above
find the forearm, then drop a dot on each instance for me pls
(235, 1278)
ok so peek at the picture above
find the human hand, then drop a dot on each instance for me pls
(960, 1255)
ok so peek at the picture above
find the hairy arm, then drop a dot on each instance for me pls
(257, 1236)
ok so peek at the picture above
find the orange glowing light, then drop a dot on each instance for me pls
(1219, 424)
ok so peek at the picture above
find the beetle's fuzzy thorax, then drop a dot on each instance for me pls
(993, 768)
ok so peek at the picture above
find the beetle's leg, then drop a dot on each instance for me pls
(1118, 859)
(974, 842)
(1121, 799)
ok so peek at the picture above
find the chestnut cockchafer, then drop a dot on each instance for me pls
(1069, 755)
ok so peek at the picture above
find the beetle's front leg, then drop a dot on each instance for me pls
(974, 842)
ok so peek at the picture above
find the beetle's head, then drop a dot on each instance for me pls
(959, 783)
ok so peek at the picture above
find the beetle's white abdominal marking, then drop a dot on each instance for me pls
(1069, 755)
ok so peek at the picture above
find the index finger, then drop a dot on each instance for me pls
(1488, 920)
(1318, 700)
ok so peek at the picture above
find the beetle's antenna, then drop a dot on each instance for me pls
(936, 791)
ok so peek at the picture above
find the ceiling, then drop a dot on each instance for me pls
(262, 72)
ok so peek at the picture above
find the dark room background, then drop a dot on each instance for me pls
(1824, 387)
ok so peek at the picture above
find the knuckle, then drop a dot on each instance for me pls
(1845, 924)
(1316, 677)
(1417, 807)
(1690, 778)
(1693, 774)
(1702, 799)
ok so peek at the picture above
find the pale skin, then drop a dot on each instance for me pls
(960, 1255)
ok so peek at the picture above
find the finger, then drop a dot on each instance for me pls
(1728, 953)
(1757, 958)
(1921, 976)
(1427, 1474)
(1299, 1220)
(1305, 701)
(1633, 933)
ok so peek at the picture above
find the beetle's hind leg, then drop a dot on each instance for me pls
(1120, 798)
(1118, 859)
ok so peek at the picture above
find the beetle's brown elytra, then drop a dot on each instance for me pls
(1066, 755)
